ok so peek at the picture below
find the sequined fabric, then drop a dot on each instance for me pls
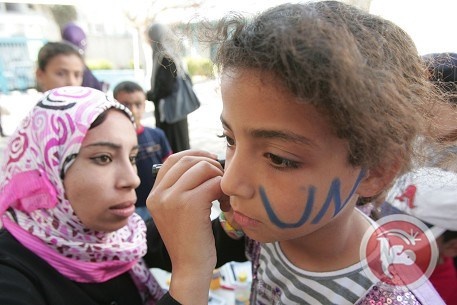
(383, 294)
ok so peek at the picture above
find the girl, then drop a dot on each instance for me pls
(322, 106)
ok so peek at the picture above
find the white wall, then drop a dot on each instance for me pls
(430, 23)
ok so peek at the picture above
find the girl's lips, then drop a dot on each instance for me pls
(243, 220)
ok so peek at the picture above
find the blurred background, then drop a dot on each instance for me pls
(118, 48)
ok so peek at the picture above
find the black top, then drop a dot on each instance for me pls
(165, 83)
(164, 80)
(27, 279)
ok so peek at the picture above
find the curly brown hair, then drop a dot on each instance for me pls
(361, 71)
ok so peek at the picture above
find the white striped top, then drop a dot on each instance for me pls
(280, 282)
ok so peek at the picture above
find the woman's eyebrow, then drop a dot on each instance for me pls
(107, 144)
(110, 145)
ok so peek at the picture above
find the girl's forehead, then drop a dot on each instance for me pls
(253, 74)
(250, 108)
(255, 82)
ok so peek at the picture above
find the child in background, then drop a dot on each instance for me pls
(443, 74)
(322, 107)
(434, 202)
(59, 64)
(154, 146)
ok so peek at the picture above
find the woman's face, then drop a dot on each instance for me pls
(286, 172)
(100, 184)
(62, 70)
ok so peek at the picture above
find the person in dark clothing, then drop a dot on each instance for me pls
(73, 34)
(166, 68)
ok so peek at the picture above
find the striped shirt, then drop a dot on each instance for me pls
(276, 280)
(280, 282)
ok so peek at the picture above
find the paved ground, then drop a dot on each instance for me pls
(204, 123)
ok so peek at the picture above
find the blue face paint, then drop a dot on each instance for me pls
(332, 196)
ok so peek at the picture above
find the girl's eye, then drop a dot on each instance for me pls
(103, 159)
(230, 141)
(280, 162)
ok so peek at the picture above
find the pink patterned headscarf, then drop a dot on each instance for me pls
(33, 207)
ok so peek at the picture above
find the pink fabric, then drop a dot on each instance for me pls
(35, 210)
(28, 191)
(83, 272)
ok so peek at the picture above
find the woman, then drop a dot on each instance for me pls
(165, 70)
(68, 182)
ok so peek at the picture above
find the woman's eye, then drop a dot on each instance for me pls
(280, 162)
(103, 159)
(133, 159)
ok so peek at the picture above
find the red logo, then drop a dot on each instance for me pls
(408, 195)
(400, 251)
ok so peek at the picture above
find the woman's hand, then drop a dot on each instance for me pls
(180, 204)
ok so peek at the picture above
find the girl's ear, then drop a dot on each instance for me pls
(378, 179)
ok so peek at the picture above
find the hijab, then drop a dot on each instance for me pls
(33, 207)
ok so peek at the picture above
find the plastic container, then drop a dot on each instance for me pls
(216, 280)
(242, 289)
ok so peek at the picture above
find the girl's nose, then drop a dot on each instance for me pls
(238, 178)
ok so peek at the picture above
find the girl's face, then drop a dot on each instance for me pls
(100, 184)
(62, 70)
(286, 171)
